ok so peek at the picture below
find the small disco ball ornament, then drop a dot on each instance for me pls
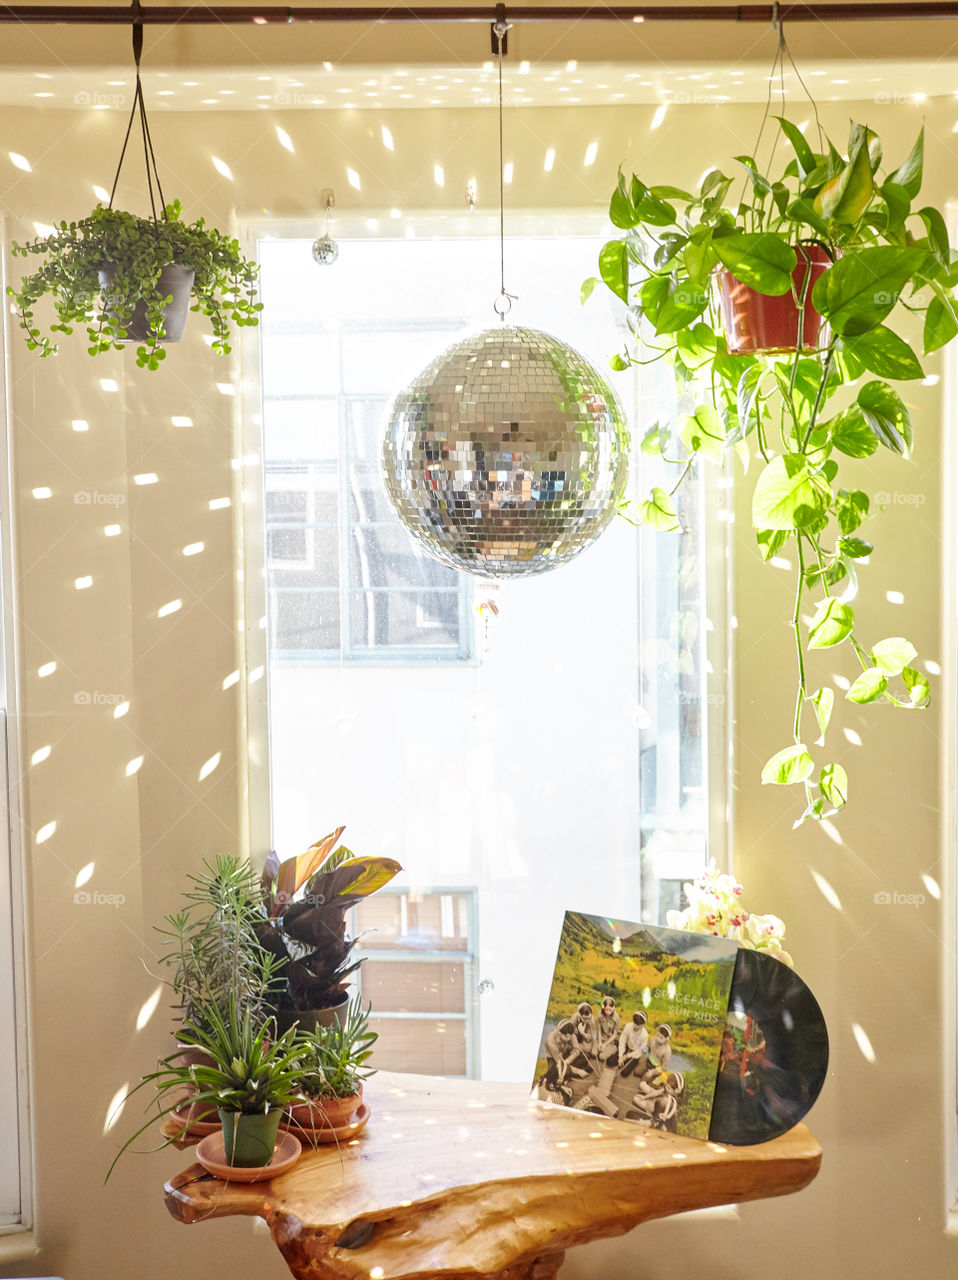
(325, 250)
(507, 455)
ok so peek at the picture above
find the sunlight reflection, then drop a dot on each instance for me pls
(83, 875)
(115, 1108)
(41, 754)
(827, 892)
(863, 1042)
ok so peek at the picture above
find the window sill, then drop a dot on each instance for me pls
(17, 1245)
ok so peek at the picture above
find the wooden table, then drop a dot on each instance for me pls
(471, 1180)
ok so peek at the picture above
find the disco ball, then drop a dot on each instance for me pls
(507, 455)
(325, 250)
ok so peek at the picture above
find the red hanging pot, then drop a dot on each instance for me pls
(756, 324)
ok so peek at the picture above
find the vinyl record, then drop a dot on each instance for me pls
(774, 1053)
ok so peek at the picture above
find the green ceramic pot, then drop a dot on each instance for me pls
(249, 1140)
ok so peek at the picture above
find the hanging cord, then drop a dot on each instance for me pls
(778, 66)
(139, 105)
(503, 304)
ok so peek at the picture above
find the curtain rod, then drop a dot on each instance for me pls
(197, 15)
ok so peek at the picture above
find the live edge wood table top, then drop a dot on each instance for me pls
(473, 1180)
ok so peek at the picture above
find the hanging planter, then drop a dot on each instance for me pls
(128, 279)
(779, 324)
(820, 269)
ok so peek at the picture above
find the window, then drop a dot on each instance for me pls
(419, 975)
(346, 583)
(566, 764)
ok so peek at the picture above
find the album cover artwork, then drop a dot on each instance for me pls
(635, 1022)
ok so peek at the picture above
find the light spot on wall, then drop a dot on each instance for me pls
(933, 668)
(842, 682)
(353, 178)
(120, 710)
(387, 139)
(43, 491)
(571, 65)
(45, 832)
(780, 562)
(932, 885)
(210, 766)
(148, 1008)
(507, 172)
(80, 424)
(44, 230)
(827, 892)
(863, 1042)
(438, 175)
(20, 162)
(146, 477)
(84, 583)
(115, 1107)
(226, 389)
(591, 151)
(108, 384)
(41, 754)
(395, 213)
(256, 674)
(523, 68)
(112, 530)
(853, 737)
(659, 117)
(285, 140)
(218, 504)
(101, 194)
(194, 548)
(550, 159)
(83, 875)
(895, 597)
(171, 606)
(221, 166)
(47, 669)
(134, 766)
(180, 420)
(231, 679)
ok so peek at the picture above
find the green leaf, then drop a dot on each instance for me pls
(885, 353)
(856, 548)
(658, 511)
(823, 700)
(700, 256)
(703, 432)
(784, 768)
(760, 184)
(695, 345)
(621, 211)
(851, 508)
(869, 686)
(784, 495)
(833, 623)
(859, 290)
(898, 204)
(937, 234)
(908, 175)
(747, 401)
(917, 685)
(847, 195)
(941, 325)
(614, 267)
(680, 306)
(833, 784)
(585, 292)
(771, 541)
(763, 261)
(803, 152)
(618, 363)
(851, 434)
(802, 211)
(885, 412)
(893, 654)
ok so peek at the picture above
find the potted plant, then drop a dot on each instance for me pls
(130, 279)
(305, 900)
(333, 1067)
(250, 1075)
(836, 238)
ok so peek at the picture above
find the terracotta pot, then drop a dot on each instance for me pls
(756, 324)
(325, 1113)
(249, 1140)
(174, 280)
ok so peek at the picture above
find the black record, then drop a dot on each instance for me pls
(774, 1053)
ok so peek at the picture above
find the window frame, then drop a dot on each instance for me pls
(17, 1238)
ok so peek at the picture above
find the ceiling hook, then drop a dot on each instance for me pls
(499, 31)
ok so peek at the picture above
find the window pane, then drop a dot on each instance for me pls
(421, 1045)
(300, 429)
(304, 621)
(435, 922)
(415, 987)
(407, 618)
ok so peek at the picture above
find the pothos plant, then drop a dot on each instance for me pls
(224, 282)
(803, 416)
